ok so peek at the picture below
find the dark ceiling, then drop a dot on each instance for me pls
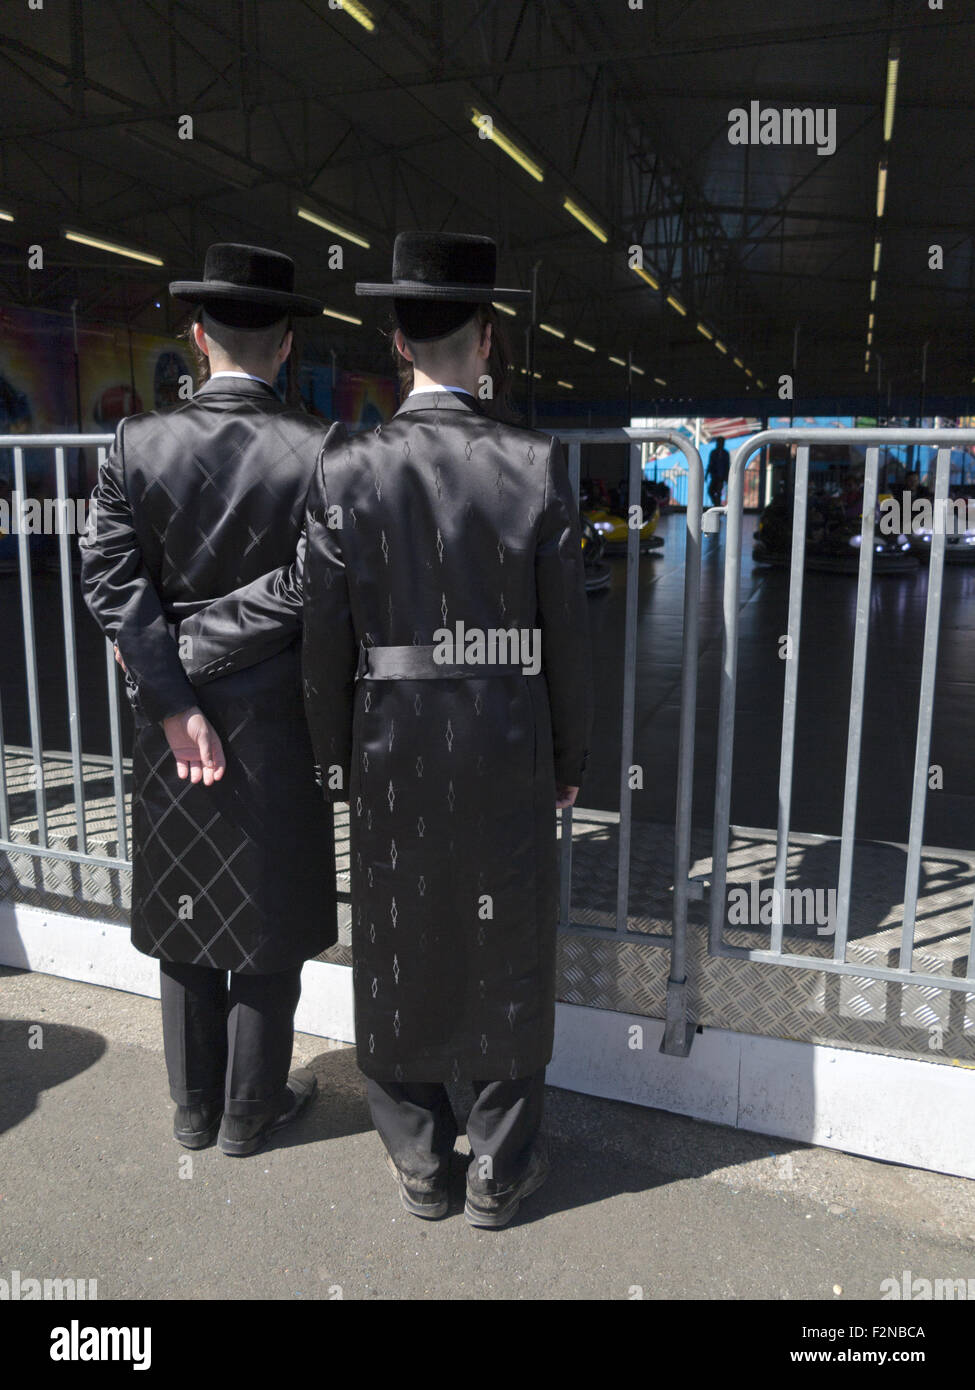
(625, 110)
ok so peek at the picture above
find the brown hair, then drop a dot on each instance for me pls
(201, 363)
(499, 364)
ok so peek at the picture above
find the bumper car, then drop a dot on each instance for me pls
(959, 550)
(960, 537)
(609, 519)
(832, 540)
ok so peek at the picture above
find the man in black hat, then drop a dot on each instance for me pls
(233, 878)
(446, 670)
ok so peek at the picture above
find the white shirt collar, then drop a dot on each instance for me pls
(419, 390)
(246, 375)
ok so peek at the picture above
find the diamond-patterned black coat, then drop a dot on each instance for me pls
(444, 516)
(189, 506)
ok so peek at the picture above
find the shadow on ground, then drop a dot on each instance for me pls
(37, 1057)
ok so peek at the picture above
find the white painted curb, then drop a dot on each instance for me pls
(101, 953)
(895, 1108)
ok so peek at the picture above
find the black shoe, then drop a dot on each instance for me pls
(496, 1209)
(195, 1126)
(426, 1197)
(241, 1135)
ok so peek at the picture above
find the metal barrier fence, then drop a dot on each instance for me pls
(675, 1038)
(18, 443)
(677, 1030)
(677, 478)
(873, 439)
(678, 1027)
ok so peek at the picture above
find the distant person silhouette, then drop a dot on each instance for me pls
(719, 466)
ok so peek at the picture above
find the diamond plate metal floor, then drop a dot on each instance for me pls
(629, 975)
(918, 1021)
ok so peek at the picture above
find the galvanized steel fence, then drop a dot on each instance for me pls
(678, 1026)
(18, 443)
(872, 440)
(574, 440)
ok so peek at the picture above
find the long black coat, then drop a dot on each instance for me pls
(445, 515)
(189, 506)
(441, 515)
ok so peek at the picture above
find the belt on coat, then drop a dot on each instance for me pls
(415, 663)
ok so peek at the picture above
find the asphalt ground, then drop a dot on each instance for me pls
(640, 1205)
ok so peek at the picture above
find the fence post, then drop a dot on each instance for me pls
(679, 1028)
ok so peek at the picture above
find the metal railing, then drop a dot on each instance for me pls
(677, 1029)
(676, 477)
(873, 439)
(18, 443)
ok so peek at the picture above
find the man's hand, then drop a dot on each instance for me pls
(118, 659)
(565, 796)
(194, 744)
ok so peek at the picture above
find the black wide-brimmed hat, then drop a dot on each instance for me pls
(439, 279)
(246, 287)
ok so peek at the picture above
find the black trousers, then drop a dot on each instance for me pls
(416, 1122)
(228, 1043)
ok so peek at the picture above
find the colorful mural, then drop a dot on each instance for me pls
(46, 384)
(54, 378)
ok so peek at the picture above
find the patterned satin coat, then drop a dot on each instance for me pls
(442, 517)
(189, 506)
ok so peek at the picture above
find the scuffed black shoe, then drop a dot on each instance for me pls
(426, 1197)
(241, 1135)
(196, 1126)
(493, 1210)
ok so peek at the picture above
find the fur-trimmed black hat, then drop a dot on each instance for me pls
(246, 287)
(439, 279)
